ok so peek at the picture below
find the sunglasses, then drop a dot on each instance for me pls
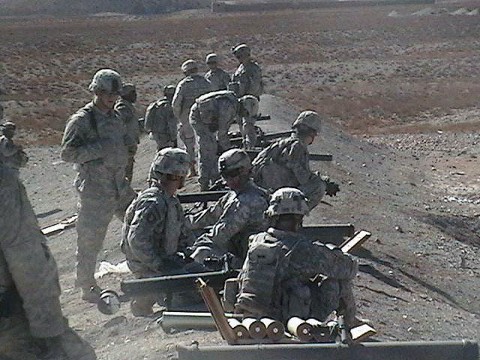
(172, 177)
(231, 173)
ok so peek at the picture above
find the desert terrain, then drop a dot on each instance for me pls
(400, 85)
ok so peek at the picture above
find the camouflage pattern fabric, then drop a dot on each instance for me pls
(96, 143)
(154, 231)
(233, 218)
(211, 117)
(218, 79)
(286, 163)
(186, 92)
(161, 123)
(249, 77)
(28, 268)
(293, 292)
(127, 113)
(12, 155)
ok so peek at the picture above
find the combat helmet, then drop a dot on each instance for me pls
(189, 65)
(169, 90)
(308, 119)
(106, 80)
(250, 104)
(172, 161)
(240, 50)
(287, 200)
(211, 58)
(8, 126)
(233, 159)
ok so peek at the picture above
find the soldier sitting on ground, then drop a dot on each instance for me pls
(211, 117)
(160, 122)
(237, 215)
(31, 320)
(11, 154)
(125, 109)
(286, 162)
(217, 77)
(156, 232)
(287, 275)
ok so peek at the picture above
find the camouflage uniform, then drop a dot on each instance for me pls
(287, 275)
(249, 79)
(128, 115)
(29, 281)
(218, 79)
(95, 142)
(12, 155)
(161, 123)
(276, 278)
(211, 116)
(155, 230)
(286, 163)
(186, 92)
(234, 217)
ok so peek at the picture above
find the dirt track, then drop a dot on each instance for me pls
(406, 87)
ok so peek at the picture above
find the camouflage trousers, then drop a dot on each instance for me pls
(187, 135)
(16, 342)
(94, 215)
(163, 141)
(249, 134)
(132, 150)
(207, 155)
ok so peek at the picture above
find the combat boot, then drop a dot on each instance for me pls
(91, 294)
(68, 345)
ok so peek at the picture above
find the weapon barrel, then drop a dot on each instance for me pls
(174, 283)
(398, 350)
(328, 233)
(314, 157)
(189, 320)
(203, 196)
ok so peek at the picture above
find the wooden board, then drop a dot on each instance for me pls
(60, 226)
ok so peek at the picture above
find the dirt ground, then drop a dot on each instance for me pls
(400, 85)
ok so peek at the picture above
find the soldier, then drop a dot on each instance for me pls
(188, 89)
(211, 117)
(217, 77)
(287, 275)
(125, 109)
(95, 141)
(286, 162)
(247, 80)
(160, 122)
(155, 230)
(31, 320)
(237, 214)
(11, 154)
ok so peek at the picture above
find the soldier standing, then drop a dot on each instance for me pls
(95, 141)
(160, 122)
(238, 214)
(248, 81)
(155, 229)
(287, 275)
(11, 154)
(286, 162)
(188, 89)
(217, 77)
(211, 116)
(31, 320)
(125, 109)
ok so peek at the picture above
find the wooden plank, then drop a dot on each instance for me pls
(215, 308)
(355, 242)
(362, 332)
(60, 226)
